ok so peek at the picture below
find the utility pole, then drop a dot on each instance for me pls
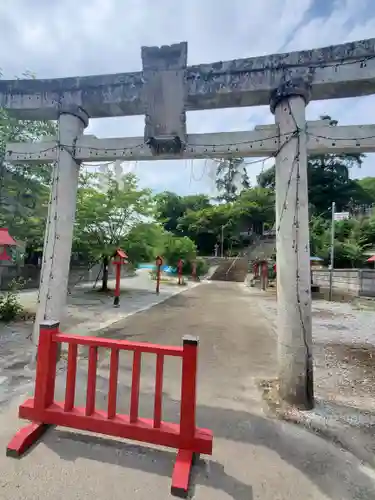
(332, 258)
(222, 240)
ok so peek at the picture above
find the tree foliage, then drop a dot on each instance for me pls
(231, 178)
(24, 189)
(329, 180)
(104, 219)
(353, 237)
(170, 207)
(145, 242)
(367, 184)
(176, 248)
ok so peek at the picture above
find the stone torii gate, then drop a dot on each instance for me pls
(163, 92)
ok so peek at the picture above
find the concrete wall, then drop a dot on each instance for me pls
(32, 274)
(215, 261)
(360, 282)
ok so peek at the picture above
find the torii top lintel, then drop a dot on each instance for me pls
(345, 70)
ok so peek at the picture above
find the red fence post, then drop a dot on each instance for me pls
(188, 389)
(47, 357)
(186, 455)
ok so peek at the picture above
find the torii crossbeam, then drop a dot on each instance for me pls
(263, 141)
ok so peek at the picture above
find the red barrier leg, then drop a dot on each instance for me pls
(185, 456)
(181, 473)
(25, 438)
(44, 389)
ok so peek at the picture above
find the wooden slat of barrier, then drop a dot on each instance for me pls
(136, 379)
(123, 345)
(158, 390)
(120, 426)
(71, 377)
(91, 381)
(112, 388)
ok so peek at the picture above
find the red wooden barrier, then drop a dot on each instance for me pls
(44, 411)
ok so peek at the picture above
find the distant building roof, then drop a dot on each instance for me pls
(5, 238)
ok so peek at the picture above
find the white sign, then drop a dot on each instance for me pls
(341, 215)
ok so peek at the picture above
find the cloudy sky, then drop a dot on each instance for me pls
(83, 37)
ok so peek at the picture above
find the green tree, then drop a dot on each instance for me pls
(231, 177)
(170, 207)
(257, 208)
(176, 248)
(368, 186)
(366, 229)
(105, 219)
(145, 242)
(352, 238)
(252, 208)
(328, 181)
(212, 222)
(353, 251)
(24, 189)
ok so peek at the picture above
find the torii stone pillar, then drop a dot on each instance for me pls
(60, 221)
(294, 330)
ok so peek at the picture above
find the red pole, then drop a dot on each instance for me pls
(116, 301)
(158, 279)
(159, 263)
(256, 270)
(179, 271)
(264, 275)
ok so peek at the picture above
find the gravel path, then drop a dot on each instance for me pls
(344, 349)
(333, 322)
(254, 457)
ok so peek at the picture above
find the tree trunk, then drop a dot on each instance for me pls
(105, 264)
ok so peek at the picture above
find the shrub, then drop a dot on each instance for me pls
(202, 267)
(10, 307)
(176, 248)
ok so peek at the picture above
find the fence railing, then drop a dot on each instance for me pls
(43, 410)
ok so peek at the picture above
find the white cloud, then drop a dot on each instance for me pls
(69, 38)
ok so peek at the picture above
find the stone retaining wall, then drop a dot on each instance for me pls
(359, 282)
(31, 274)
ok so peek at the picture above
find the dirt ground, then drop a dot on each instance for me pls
(88, 312)
(254, 457)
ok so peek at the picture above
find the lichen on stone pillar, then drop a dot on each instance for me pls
(289, 88)
(71, 109)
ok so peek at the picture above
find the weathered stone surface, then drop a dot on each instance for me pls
(345, 70)
(290, 87)
(164, 97)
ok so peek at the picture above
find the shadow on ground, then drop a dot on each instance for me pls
(335, 472)
(150, 460)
